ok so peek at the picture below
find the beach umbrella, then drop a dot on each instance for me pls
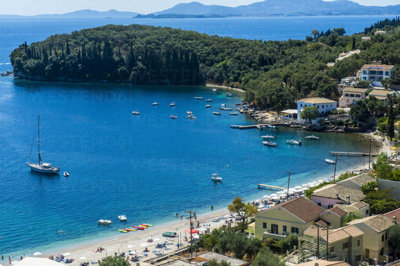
(82, 258)
(266, 197)
(297, 188)
(67, 254)
(37, 253)
(273, 195)
(276, 198)
(131, 246)
(144, 244)
(156, 239)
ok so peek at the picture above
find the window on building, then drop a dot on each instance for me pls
(330, 206)
(332, 249)
(358, 258)
(284, 229)
(319, 204)
(274, 228)
(387, 73)
(265, 225)
(367, 212)
(295, 230)
(345, 245)
(358, 243)
(383, 238)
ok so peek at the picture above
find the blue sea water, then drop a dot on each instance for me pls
(148, 167)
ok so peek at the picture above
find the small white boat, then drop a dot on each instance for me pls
(208, 106)
(229, 95)
(271, 126)
(214, 90)
(329, 161)
(216, 178)
(104, 222)
(173, 117)
(66, 174)
(172, 104)
(198, 98)
(135, 113)
(294, 142)
(268, 137)
(189, 112)
(223, 104)
(312, 137)
(234, 113)
(154, 104)
(192, 117)
(122, 218)
(216, 113)
(270, 144)
(225, 109)
(209, 100)
(261, 126)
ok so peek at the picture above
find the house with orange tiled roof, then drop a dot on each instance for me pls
(344, 243)
(334, 217)
(293, 216)
(394, 215)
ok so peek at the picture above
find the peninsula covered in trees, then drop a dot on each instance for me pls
(274, 74)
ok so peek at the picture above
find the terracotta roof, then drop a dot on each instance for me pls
(394, 213)
(359, 205)
(324, 263)
(335, 234)
(332, 190)
(352, 89)
(337, 211)
(377, 67)
(380, 93)
(322, 223)
(359, 179)
(316, 100)
(302, 208)
(379, 222)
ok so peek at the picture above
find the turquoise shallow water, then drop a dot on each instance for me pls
(147, 167)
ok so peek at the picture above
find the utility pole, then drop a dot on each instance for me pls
(288, 184)
(327, 243)
(317, 241)
(369, 154)
(191, 231)
(334, 171)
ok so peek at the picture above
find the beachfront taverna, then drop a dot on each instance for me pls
(324, 105)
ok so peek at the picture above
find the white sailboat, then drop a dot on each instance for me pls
(42, 167)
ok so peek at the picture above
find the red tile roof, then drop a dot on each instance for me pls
(302, 208)
(393, 213)
(337, 211)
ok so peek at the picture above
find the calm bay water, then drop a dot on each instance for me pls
(148, 167)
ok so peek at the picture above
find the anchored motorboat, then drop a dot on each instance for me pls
(66, 174)
(192, 117)
(198, 98)
(271, 126)
(234, 113)
(104, 222)
(270, 144)
(172, 104)
(155, 104)
(209, 100)
(329, 161)
(173, 117)
(225, 109)
(216, 113)
(208, 106)
(122, 218)
(268, 137)
(294, 142)
(214, 90)
(312, 137)
(189, 112)
(135, 113)
(216, 178)
(42, 167)
(229, 95)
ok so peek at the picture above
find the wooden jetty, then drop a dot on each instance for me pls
(352, 154)
(263, 186)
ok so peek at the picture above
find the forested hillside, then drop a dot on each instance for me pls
(274, 74)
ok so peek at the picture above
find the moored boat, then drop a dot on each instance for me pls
(229, 95)
(216, 178)
(122, 218)
(189, 112)
(66, 174)
(271, 126)
(172, 104)
(104, 222)
(329, 161)
(270, 144)
(312, 137)
(198, 98)
(234, 113)
(192, 117)
(173, 117)
(225, 109)
(208, 106)
(268, 137)
(294, 142)
(209, 100)
(135, 113)
(216, 113)
(214, 90)
(154, 104)
(42, 167)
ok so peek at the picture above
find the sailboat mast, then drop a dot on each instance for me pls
(39, 157)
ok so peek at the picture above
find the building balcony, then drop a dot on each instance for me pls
(268, 234)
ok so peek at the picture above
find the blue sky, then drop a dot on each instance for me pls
(33, 7)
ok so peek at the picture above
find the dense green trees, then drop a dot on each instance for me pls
(394, 240)
(114, 261)
(309, 113)
(242, 210)
(266, 258)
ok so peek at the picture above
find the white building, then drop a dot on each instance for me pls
(376, 72)
(324, 105)
(351, 95)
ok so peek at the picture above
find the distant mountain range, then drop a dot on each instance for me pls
(269, 8)
(86, 13)
(266, 8)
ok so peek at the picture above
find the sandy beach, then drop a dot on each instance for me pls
(225, 88)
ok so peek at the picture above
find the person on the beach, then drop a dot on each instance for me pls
(176, 215)
(2, 257)
(9, 259)
(212, 207)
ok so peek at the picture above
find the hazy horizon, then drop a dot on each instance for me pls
(39, 7)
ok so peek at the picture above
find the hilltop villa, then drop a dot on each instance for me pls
(376, 72)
